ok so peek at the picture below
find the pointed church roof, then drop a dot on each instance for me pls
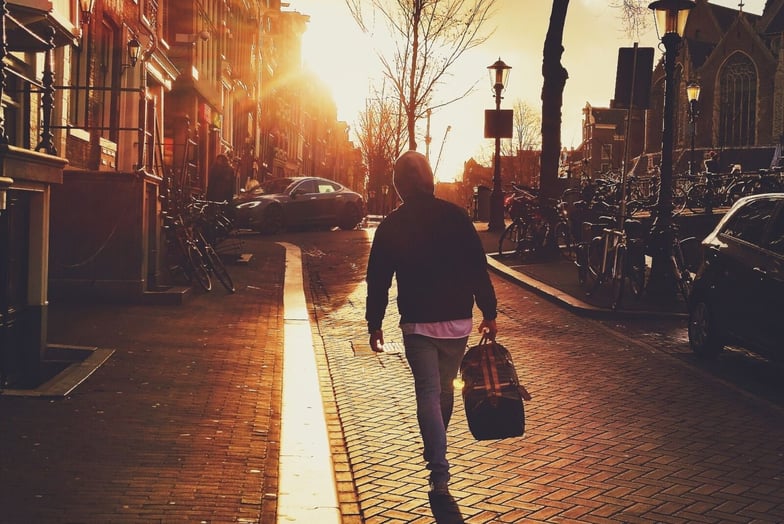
(699, 51)
(772, 20)
(724, 15)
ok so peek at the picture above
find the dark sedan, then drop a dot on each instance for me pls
(298, 202)
(738, 295)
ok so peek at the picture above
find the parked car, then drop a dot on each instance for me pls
(298, 202)
(738, 294)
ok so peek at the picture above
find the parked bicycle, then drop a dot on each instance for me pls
(184, 254)
(529, 230)
(212, 260)
(643, 195)
(215, 221)
(714, 190)
(568, 209)
(538, 225)
(684, 260)
(192, 254)
(765, 181)
(615, 257)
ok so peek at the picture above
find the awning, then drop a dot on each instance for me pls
(29, 27)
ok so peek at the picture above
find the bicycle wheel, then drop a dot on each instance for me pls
(595, 258)
(218, 268)
(678, 200)
(197, 267)
(682, 274)
(581, 261)
(696, 197)
(509, 243)
(563, 240)
(635, 269)
(735, 192)
(618, 276)
(634, 207)
(177, 257)
(533, 237)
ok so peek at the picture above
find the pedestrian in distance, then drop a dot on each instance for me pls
(712, 163)
(711, 170)
(220, 181)
(433, 250)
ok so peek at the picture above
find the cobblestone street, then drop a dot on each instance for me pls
(617, 430)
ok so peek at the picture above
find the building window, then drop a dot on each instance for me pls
(607, 158)
(738, 95)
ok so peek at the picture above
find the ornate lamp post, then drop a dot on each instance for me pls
(86, 10)
(671, 16)
(499, 74)
(693, 95)
(134, 48)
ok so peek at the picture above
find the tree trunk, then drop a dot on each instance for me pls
(555, 76)
(412, 96)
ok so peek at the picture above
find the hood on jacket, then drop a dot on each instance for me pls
(413, 175)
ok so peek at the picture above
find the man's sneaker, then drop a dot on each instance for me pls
(439, 488)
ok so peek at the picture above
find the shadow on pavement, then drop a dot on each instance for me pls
(445, 509)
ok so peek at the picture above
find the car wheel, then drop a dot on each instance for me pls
(272, 222)
(350, 217)
(704, 337)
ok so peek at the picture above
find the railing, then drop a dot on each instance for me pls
(45, 88)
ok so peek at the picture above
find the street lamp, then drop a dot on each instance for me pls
(134, 48)
(693, 95)
(671, 16)
(499, 75)
(86, 10)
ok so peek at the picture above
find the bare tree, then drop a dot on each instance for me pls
(429, 36)
(380, 135)
(527, 127)
(634, 15)
(526, 135)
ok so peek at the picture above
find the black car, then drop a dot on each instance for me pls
(293, 202)
(738, 294)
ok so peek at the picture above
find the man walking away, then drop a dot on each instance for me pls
(437, 258)
(220, 180)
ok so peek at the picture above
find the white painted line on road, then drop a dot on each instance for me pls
(306, 486)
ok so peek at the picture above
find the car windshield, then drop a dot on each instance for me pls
(276, 186)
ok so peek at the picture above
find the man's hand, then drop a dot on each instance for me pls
(489, 328)
(377, 341)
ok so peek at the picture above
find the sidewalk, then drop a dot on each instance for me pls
(180, 424)
(556, 278)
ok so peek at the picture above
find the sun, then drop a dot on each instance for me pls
(339, 53)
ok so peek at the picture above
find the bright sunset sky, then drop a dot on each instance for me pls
(336, 50)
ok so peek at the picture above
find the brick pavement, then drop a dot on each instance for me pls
(617, 431)
(181, 423)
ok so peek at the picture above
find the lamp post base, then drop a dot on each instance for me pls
(496, 222)
(662, 283)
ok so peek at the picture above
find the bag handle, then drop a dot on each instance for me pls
(485, 339)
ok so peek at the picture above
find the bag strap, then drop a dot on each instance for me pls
(489, 369)
(496, 381)
(488, 379)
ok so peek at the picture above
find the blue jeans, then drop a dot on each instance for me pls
(434, 363)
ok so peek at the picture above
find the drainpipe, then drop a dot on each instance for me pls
(5, 184)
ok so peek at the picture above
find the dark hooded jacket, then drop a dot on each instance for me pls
(433, 250)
